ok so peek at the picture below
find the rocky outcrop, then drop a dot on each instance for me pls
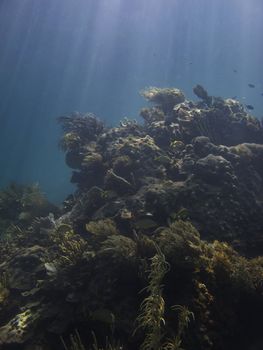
(160, 246)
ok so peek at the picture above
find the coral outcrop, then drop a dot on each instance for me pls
(161, 245)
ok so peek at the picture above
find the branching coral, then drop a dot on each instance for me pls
(71, 246)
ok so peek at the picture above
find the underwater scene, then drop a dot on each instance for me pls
(131, 185)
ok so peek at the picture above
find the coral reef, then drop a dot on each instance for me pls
(20, 205)
(161, 245)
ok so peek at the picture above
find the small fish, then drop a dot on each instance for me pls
(261, 94)
(251, 85)
(234, 70)
(250, 107)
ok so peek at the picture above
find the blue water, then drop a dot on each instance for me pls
(58, 56)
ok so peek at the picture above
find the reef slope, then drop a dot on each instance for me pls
(161, 245)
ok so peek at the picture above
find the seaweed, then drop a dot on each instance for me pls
(151, 317)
